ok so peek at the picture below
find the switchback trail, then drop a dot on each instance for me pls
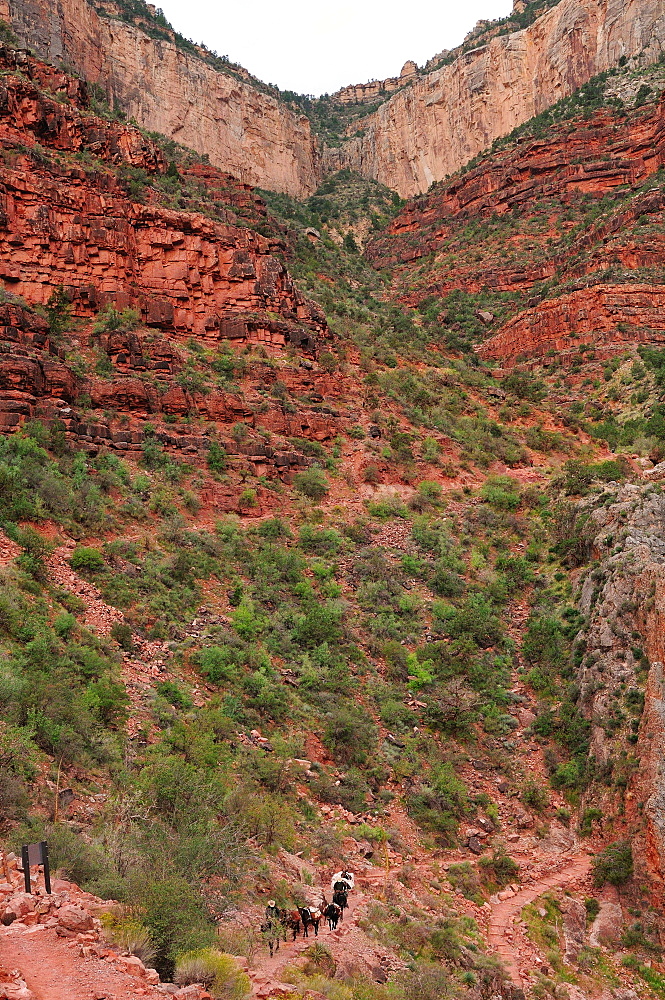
(501, 936)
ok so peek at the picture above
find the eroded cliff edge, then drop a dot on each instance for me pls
(249, 133)
(427, 130)
(441, 121)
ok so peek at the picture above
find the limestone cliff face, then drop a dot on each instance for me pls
(426, 131)
(438, 123)
(622, 594)
(246, 132)
(365, 93)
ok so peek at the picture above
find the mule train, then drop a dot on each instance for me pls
(280, 920)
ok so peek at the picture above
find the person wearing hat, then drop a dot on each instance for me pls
(272, 913)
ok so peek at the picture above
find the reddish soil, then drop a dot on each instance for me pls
(502, 934)
(56, 970)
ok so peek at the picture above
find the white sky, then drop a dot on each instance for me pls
(316, 48)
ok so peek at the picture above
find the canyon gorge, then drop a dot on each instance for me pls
(331, 515)
(435, 123)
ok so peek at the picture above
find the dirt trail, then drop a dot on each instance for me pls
(501, 934)
(55, 970)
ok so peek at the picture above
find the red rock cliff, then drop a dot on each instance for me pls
(426, 131)
(70, 222)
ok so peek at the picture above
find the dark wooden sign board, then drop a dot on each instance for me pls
(36, 854)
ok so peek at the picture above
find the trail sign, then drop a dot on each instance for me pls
(36, 854)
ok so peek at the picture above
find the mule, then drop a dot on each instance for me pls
(291, 922)
(309, 916)
(341, 899)
(333, 914)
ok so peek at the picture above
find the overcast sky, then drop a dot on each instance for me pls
(316, 48)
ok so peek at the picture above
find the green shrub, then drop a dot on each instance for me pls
(176, 917)
(544, 649)
(111, 319)
(349, 734)
(64, 625)
(614, 864)
(589, 817)
(247, 499)
(440, 803)
(84, 557)
(125, 930)
(312, 483)
(430, 490)
(219, 973)
(501, 492)
(122, 633)
(464, 877)
(320, 541)
(524, 385)
(388, 507)
(18, 752)
(534, 795)
(500, 867)
(174, 694)
(216, 458)
(579, 476)
(320, 624)
(218, 663)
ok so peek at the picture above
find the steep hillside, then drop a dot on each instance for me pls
(435, 125)
(287, 587)
(559, 235)
(170, 86)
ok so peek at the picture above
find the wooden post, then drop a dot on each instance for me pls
(26, 867)
(47, 869)
(56, 804)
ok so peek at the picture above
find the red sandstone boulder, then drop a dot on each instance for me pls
(75, 918)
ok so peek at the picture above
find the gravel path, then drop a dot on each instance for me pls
(501, 937)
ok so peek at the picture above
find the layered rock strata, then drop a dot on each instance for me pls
(609, 317)
(366, 93)
(442, 120)
(71, 226)
(40, 380)
(430, 127)
(519, 223)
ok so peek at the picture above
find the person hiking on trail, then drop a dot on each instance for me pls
(272, 913)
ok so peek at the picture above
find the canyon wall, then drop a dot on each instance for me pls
(437, 124)
(430, 128)
(621, 595)
(244, 131)
(64, 225)
(376, 90)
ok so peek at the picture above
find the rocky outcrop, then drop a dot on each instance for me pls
(366, 93)
(442, 120)
(245, 131)
(62, 225)
(609, 317)
(622, 596)
(455, 238)
(591, 156)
